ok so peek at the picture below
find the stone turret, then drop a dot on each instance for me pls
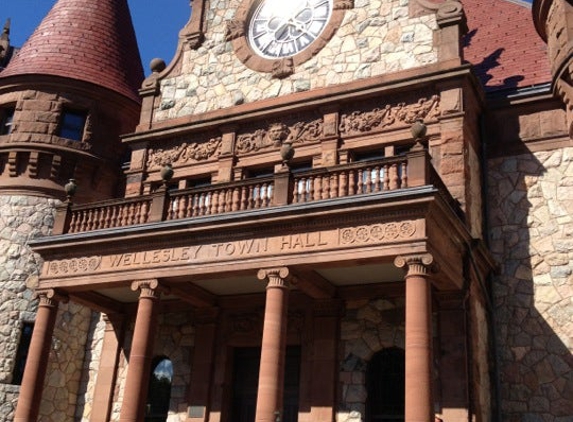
(65, 99)
(554, 22)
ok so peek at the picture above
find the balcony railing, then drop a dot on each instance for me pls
(283, 188)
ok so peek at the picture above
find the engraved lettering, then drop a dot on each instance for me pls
(286, 241)
(230, 249)
(115, 260)
(127, 259)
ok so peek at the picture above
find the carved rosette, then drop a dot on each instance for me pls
(277, 277)
(149, 289)
(51, 297)
(390, 116)
(416, 265)
(185, 153)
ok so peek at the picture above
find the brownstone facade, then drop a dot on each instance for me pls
(368, 230)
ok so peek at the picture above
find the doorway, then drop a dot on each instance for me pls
(246, 379)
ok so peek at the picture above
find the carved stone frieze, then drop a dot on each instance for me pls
(390, 116)
(279, 133)
(74, 265)
(378, 232)
(184, 153)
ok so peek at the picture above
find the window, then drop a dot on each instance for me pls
(22, 353)
(159, 393)
(6, 120)
(385, 383)
(72, 125)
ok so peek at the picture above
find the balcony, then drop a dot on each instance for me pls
(283, 188)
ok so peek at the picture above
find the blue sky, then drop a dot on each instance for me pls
(157, 23)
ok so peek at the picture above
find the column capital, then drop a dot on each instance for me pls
(151, 289)
(416, 265)
(277, 277)
(51, 297)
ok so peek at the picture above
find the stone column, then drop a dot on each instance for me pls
(138, 371)
(273, 350)
(202, 368)
(419, 403)
(107, 371)
(30, 398)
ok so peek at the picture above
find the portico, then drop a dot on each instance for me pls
(272, 282)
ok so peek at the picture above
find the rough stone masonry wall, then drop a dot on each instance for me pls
(367, 327)
(376, 38)
(23, 218)
(531, 234)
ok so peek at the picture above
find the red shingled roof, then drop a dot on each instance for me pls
(503, 45)
(88, 40)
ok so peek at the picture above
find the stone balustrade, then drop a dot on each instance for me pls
(283, 188)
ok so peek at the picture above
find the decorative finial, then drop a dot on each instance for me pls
(287, 152)
(70, 188)
(166, 173)
(6, 30)
(418, 131)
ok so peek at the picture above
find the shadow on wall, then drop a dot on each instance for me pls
(531, 237)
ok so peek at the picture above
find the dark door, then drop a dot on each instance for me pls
(246, 380)
(385, 385)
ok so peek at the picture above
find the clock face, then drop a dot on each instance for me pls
(283, 28)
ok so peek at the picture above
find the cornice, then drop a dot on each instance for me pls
(405, 203)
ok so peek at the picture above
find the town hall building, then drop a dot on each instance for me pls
(316, 211)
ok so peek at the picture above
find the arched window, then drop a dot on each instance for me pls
(385, 386)
(159, 393)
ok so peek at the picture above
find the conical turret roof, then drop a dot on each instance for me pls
(88, 40)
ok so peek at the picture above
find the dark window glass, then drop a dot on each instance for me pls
(159, 393)
(72, 125)
(6, 120)
(22, 353)
(385, 386)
